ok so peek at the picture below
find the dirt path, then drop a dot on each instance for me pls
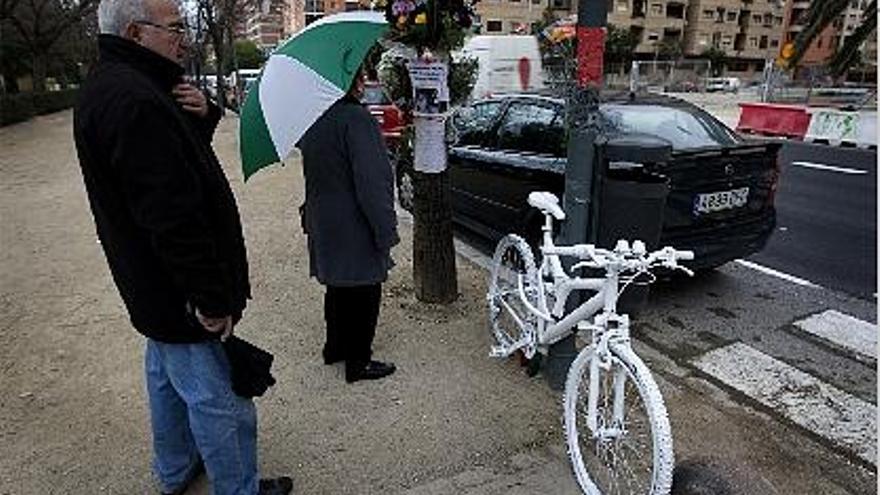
(73, 417)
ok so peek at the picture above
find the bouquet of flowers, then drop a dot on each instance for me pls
(435, 25)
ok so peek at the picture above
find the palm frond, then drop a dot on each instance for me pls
(820, 15)
(848, 54)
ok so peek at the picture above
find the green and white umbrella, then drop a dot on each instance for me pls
(300, 81)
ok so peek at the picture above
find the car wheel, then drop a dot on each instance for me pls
(405, 191)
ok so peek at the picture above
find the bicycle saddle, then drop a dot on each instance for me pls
(548, 203)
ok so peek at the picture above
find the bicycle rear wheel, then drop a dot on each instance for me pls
(628, 454)
(513, 269)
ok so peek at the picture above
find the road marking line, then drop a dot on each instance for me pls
(830, 168)
(823, 409)
(777, 273)
(843, 330)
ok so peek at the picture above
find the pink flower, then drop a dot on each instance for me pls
(402, 7)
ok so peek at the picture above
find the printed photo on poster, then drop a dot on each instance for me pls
(430, 88)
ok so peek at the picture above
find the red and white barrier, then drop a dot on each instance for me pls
(773, 120)
(836, 127)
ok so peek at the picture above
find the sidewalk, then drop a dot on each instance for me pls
(452, 420)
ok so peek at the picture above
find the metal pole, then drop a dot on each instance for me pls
(581, 170)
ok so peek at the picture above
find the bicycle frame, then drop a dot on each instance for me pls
(606, 289)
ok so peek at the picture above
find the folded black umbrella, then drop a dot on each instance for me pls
(251, 367)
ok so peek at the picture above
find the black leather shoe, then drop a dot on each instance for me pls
(276, 486)
(373, 370)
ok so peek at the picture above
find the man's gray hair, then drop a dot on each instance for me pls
(114, 16)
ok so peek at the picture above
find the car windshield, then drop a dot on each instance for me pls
(373, 95)
(683, 129)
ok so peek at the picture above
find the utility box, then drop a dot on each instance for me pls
(632, 201)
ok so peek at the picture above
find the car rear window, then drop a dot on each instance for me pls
(373, 95)
(685, 130)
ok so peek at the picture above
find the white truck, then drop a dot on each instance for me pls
(507, 64)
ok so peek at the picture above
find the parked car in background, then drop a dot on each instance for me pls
(723, 84)
(391, 119)
(722, 187)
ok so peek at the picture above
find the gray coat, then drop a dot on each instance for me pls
(349, 210)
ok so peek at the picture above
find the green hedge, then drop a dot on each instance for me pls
(22, 106)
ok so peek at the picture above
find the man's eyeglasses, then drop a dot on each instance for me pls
(177, 29)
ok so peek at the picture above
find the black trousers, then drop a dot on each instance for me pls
(351, 314)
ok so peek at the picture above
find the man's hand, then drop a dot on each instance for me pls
(222, 325)
(191, 99)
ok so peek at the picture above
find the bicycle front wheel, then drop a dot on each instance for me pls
(513, 287)
(629, 449)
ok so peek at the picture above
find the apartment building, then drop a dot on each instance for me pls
(263, 23)
(653, 22)
(514, 16)
(823, 47)
(748, 31)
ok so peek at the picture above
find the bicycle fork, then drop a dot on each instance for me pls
(601, 364)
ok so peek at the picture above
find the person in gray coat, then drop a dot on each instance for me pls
(351, 226)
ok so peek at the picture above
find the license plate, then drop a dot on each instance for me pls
(720, 201)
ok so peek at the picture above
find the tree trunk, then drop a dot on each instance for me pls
(433, 251)
(38, 72)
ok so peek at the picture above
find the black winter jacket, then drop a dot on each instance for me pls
(165, 214)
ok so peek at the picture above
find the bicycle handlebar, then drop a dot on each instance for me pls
(626, 258)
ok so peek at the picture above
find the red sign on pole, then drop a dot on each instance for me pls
(591, 51)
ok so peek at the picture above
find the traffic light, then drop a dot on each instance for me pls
(785, 55)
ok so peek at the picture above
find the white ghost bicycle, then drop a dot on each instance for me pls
(616, 427)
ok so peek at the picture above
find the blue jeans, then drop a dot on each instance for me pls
(196, 418)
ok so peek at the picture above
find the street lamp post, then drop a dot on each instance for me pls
(581, 184)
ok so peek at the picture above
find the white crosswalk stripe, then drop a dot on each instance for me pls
(821, 408)
(842, 330)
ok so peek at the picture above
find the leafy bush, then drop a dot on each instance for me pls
(54, 101)
(22, 106)
(16, 108)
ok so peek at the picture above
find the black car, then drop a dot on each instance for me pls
(722, 187)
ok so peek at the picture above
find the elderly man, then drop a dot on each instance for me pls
(170, 229)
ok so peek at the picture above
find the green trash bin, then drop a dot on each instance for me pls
(633, 199)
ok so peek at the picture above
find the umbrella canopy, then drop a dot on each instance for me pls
(300, 81)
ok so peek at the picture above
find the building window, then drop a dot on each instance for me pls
(731, 16)
(703, 40)
(675, 11)
(708, 14)
(756, 18)
(753, 42)
(494, 26)
(819, 43)
(622, 5)
(774, 43)
(726, 40)
(763, 43)
(653, 37)
(721, 11)
(657, 9)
